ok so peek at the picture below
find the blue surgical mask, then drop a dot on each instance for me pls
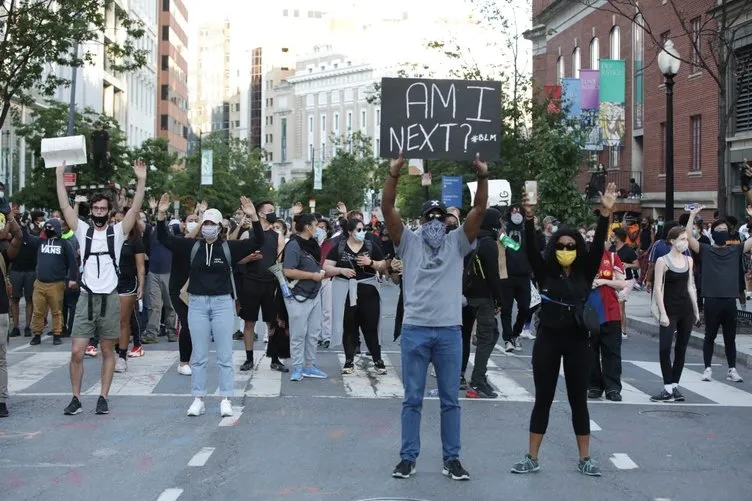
(210, 232)
(320, 235)
(360, 235)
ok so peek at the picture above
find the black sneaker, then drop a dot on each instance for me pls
(614, 396)
(102, 407)
(15, 332)
(380, 367)
(3, 409)
(348, 368)
(279, 366)
(27, 331)
(453, 468)
(325, 345)
(36, 340)
(480, 390)
(247, 366)
(678, 397)
(74, 407)
(594, 394)
(404, 469)
(463, 383)
(56, 340)
(237, 336)
(664, 396)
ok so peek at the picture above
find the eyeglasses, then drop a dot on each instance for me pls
(570, 246)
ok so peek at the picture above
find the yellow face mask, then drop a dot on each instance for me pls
(566, 257)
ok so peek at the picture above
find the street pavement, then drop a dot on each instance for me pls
(338, 439)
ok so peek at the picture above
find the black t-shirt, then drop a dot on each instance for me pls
(4, 306)
(26, 260)
(628, 256)
(349, 258)
(131, 247)
(645, 235)
(388, 247)
(99, 140)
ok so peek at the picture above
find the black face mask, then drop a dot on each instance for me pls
(50, 233)
(451, 227)
(271, 217)
(99, 221)
(720, 237)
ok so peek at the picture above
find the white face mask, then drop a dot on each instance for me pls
(681, 245)
(516, 218)
(2, 194)
(210, 232)
(554, 229)
(190, 226)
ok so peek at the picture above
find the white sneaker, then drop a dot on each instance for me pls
(734, 376)
(624, 335)
(184, 370)
(225, 407)
(121, 365)
(517, 344)
(509, 347)
(707, 374)
(527, 334)
(197, 408)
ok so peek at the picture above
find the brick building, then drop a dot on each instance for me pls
(568, 36)
(172, 105)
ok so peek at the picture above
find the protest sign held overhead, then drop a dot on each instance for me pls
(440, 119)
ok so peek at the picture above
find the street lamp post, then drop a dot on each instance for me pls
(669, 63)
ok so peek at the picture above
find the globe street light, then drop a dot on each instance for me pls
(669, 63)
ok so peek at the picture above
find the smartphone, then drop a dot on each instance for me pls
(531, 188)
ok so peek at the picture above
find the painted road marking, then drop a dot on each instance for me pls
(240, 378)
(509, 390)
(365, 383)
(170, 494)
(264, 382)
(201, 456)
(35, 368)
(629, 394)
(594, 426)
(623, 461)
(718, 392)
(237, 411)
(142, 375)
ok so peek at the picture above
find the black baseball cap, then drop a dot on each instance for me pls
(431, 206)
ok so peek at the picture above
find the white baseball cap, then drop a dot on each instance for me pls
(212, 215)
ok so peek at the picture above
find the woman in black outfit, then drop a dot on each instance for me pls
(130, 288)
(180, 270)
(565, 274)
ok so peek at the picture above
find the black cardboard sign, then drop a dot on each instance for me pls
(440, 119)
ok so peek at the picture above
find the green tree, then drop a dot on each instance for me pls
(237, 171)
(51, 121)
(37, 34)
(159, 161)
(297, 190)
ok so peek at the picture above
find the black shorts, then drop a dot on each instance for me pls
(127, 286)
(258, 294)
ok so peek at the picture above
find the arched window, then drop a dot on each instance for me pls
(615, 42)
(576, 63)
(595, 54)
(559, 69)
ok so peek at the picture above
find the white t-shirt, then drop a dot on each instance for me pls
(99, 274)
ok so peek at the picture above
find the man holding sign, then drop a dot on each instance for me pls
(432, 260)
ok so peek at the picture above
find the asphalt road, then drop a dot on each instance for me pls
(333, 440)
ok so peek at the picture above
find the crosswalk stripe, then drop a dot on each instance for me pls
(509, 390)
(240, 378)
(720, 393)
(33, 369)
(264, 381)
(629, 393)
(365, 383)
(141, 377)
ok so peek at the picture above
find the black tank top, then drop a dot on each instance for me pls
(259, 270)
(676, 298)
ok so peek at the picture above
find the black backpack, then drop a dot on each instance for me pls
(469, 271)
(110, 247)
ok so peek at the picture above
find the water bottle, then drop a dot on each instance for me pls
(286, 292)
(690, 207)
(509, 242)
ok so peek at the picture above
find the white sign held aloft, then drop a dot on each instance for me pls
(207, 167)
(499, 192)
(70, 150)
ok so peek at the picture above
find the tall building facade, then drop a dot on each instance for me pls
(172, 108)
(142, 83)
(568, 37)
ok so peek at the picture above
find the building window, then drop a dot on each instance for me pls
(166, 5)
(638, 62)
(696, 143)
(595, 54)
(271, 156)
(363, 120)
(310, 124)
(560, 69)
(378, 117)
(310, 152)
(615, 43)
(376, 147)
(165, 62)
(336, 123)
(696, 41)
(323, 124)
(165, 92)
(271, 118)
(271, 138)
(283, 132)
(163, 122)
(663, 148)
(743, 109)
(349, 122)
(614, 155)
(576, 63)
(165, 33)
(323, 151)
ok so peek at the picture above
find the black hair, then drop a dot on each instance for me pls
(351, 224)
(303, 220)
(663, 230)
(36, 214)
(260, 205)
(684, 219)
(718, 222)
(621, 234)
(283, 223)
(98, 197)
(327, 224)
(549, 254)
(732, 221)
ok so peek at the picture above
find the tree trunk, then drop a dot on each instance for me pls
(4, 112)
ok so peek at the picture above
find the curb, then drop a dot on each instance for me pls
(696, 340)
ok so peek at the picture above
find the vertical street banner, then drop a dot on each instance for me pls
(553, 95)
(440, 119)
(570, 97)
(451, 191)
(589, 106)
(612, 96)
(317, 174)
(207, 167)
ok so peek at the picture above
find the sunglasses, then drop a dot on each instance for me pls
(436, 215)
(569, 246)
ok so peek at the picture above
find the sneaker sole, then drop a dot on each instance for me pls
(77, 411)
(663, 401)
(734, 380)
(403, 475)
(100, 412)
(193, 414)
(447, 473)
(588, 474)
(312, 376)
(520, 472)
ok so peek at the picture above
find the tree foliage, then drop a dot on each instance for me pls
(237, 171)
(36, 34)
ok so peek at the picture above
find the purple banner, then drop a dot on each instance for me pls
(589, 89)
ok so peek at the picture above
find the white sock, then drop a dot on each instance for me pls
(668, 387)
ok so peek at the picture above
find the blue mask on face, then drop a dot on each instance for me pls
(433, 233)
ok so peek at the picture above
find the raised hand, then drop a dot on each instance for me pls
(396, 165)
(608, 199)
(139, 169)
(164, 203)
(152, 203)
(481, 168)
(528, 206)
(60, 169)
(341, 207)
(248, 208)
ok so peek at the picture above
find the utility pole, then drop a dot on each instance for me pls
(72, 104)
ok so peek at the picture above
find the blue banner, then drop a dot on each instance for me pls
(570, 96)
(451, 191)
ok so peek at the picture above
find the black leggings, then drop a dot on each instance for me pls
(184, 336)
(364, 316)
(549, 348)
(682, 325)
(468, 320)
(720, 312)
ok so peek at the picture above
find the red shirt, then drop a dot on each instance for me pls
(609, 265)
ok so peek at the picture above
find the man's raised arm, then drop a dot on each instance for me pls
(70, 216)
(391, 217)
(475, 216)
(139, 169)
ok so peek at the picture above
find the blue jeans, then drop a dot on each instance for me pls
(443, 347)
(209, 315)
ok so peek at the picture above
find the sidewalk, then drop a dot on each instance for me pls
(640, 319)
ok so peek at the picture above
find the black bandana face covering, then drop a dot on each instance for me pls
(99, 221)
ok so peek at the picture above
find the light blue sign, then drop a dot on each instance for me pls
(451, 191)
